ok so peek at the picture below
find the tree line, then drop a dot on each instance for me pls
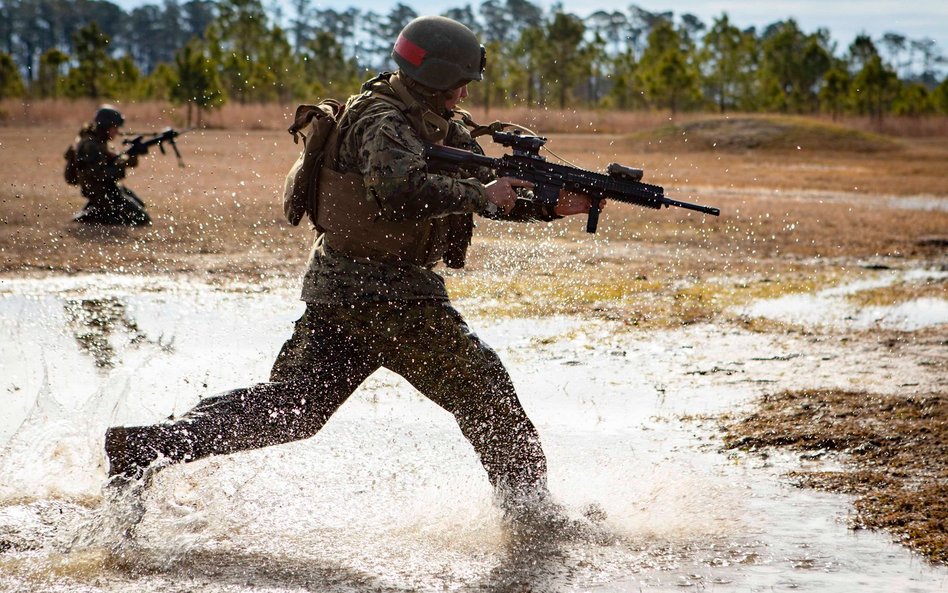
(202, 54)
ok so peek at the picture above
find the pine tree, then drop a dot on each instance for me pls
(11, 83)
(668, 76)
(198, 85)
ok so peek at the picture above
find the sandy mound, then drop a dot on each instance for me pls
(764, 133)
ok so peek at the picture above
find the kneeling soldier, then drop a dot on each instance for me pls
(97, 171)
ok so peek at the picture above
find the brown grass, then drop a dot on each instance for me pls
(894, 446)
(769, 133)
(54, 113)
(144, 115)
(901, 292)
(222, 212)
(256, 116)
(903, 127)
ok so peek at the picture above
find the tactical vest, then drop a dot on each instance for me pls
(351, 220)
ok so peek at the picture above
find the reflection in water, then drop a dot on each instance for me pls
(95, 321)
(530, 561)
(831, 307)
(238, 568)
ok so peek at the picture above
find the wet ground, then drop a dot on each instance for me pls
(388, 497)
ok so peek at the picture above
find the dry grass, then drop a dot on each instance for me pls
(768, 133)
(782, 214)
(903, 127)
(144, 115)
(273, 116)
(900, 293)
(894, 446)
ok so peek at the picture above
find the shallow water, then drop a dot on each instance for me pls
(389, 496)
(830, 307)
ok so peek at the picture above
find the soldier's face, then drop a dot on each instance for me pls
(453, 97)
(113, 132)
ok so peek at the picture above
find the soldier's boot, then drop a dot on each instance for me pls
(133, 450)
(134, 215)
(536, 516)
(126, 451)
(135, 454)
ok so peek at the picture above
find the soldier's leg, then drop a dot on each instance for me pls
(440, 355)
(96, 208)
(130, 209)
(317, 369)
(132, 196)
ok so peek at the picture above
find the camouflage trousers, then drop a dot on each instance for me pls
(332, 350)
(113, 205)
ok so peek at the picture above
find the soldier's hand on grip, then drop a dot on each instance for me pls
(502, 192)
(572, 202)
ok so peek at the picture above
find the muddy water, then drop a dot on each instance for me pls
(388, 497)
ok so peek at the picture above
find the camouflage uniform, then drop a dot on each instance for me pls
(363, 314)
(99, 172)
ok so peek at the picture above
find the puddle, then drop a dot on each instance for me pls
(831, 308)
(389, 497)
(931, 203)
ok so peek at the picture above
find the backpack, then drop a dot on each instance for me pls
(316, 124)
(71, 173)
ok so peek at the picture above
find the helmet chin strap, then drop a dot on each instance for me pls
(431, 126)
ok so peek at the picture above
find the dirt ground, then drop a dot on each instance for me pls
(821, 211)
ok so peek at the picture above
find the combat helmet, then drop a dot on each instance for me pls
(107, 116)
(439, 53)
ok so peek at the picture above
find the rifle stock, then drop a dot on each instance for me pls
(621, 184)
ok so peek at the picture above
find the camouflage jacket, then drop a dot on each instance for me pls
(382, 146)
(100, 169)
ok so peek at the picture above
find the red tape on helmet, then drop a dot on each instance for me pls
(407, 49)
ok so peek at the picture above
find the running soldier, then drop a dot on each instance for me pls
(385, 219)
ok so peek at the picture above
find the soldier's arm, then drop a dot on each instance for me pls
(390, 159)
(99, 164)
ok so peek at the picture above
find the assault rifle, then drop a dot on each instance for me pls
(622, 184)
(138, 145)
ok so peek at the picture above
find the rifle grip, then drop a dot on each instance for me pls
(593, 221)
